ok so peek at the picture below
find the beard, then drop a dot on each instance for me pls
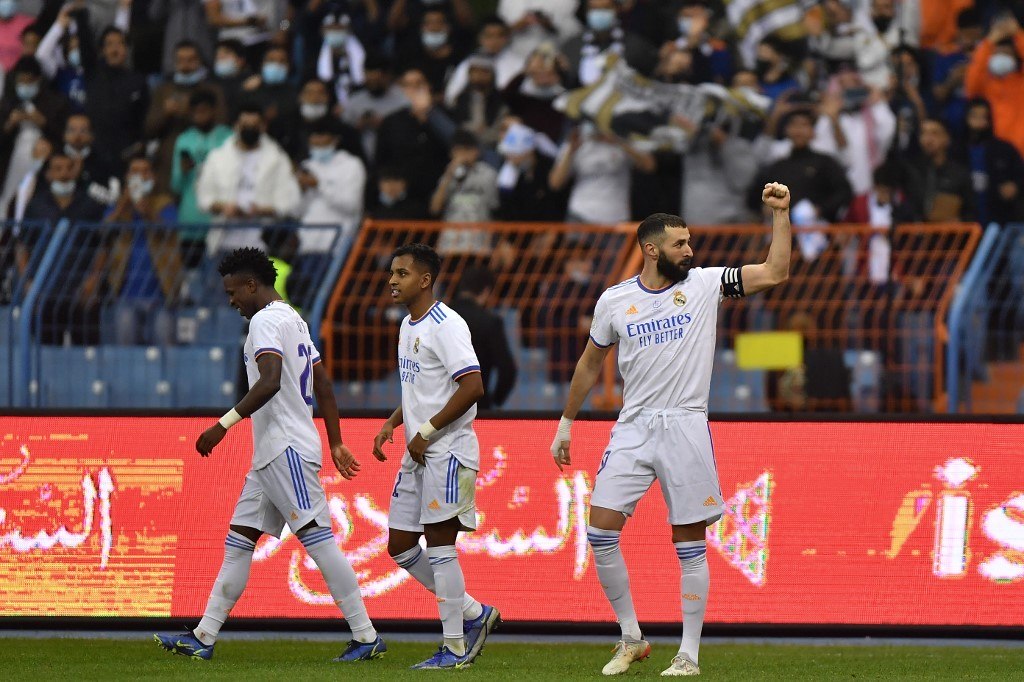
(669, 270)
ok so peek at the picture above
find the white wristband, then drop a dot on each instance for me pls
(230, 419)
(427, 430)
(564, 428)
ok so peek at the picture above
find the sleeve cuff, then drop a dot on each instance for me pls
(261, 351)
(598, 343)
(464, 371)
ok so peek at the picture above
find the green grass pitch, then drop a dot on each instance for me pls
(91, 659)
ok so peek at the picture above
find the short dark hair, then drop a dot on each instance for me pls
(422, 254)
(476, 280)
(187, 43)
(249, 108)
(29, 65)
(249, 261)
(375, 61)
(34, 27)
(328, 125)
(464, 138)
(233, 45)
(202, 96)
(391, 173)
(937, 121)
(492, 20)
(655, 224)
(109, 30)
(968, 18)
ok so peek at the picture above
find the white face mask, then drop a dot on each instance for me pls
(321, 154)
(1001, 65)
(313, 112)
(139, 187)
(62, 188)
(77, 153)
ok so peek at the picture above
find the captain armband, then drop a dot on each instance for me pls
(732, 283)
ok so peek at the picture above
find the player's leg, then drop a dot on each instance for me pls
(293, 484)
(622, 479)
(691, 549)
(404, 532)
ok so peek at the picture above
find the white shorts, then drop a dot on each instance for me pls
(288, 491)
(441, 490)
(672, 446)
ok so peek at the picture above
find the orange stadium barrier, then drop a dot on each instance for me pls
(870, 304)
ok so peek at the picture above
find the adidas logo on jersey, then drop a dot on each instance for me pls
(434, 505)
(632, 310)
(690, 596)
(710, 502)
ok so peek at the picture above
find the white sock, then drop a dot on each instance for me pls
(451, 591)
(695, 582)
(611, 571)
(341, 580)
(416, 562)
(230, 583)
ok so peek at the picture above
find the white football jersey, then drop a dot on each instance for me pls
(287, 419)
(666, 338)
(433, 352)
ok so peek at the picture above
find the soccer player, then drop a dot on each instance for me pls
(664, 323)
(283, 485)
(435, 490)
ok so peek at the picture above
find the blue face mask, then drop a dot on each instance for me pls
(8, 8)
(225, 68)
(387, 200)
(433, 40)
(1001, 65)
(189, 78)
(75, 58)
(601, 19)
(26, 91)
(274, 73)
(321, 154)
(335, 39)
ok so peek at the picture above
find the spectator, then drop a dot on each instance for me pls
(530, 96)
(599, 165)
(316, 103)
(409, 141)
(523, 191)
(587, 52)
(906, 102)
(98, 174)
(995, 73)
(492, 43)
(332, 182)
(378, 99)
(28, 111)
(898, 22)
(856, 126)
(190, 152)
(811, 176)
(342, 58)
(249, 176)
(996, 168)
(468, 190)
(774, 68)
(140, 267)
(168, 114)
(238, 20)
(65, 52)
(536, 22)
(405, 22)
(230, 72)
(12, 24)
(490, 340)
(436, 54)
(393, 200)
(480, 107)
(849, 35)
(938, 21)
(688, 57)
(947, 190)
(181, 20)
(41, 152)
(948, 67)
(272, 92)
(117, 98)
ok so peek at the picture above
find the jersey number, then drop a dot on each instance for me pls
(304, 379)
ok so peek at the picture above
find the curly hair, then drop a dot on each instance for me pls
(422, 255)
(249, 261)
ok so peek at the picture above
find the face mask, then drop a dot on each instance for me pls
(685, 24)
(62, 188)
(321, 154)
(274, 73)
(335, 39)
(762, 67)
(75, 58)
(250, 137)
(189, 78)
(531, 89)
(601, 19)
(225, 68)
(1000, 65)
(77, 153)
(27, 91)
(8, 8)
(139, 188)
(883, 24)
(388, 200)
(313, 112)
(432, 40)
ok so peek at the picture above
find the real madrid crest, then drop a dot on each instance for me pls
(416, 345)
(679, 298)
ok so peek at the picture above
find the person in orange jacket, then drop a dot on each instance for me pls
(995, 73)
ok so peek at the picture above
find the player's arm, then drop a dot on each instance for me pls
(387, 433)
(587, 371)
(775, 269)
(323, 390)
(265, 388)
(470, 390)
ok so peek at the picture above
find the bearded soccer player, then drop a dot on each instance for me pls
(664, 322)
(435, 490)
(283, 486)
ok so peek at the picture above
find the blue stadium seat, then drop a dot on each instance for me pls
(227, 328)
(199, 375)
(135, 376)
(72, 377)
